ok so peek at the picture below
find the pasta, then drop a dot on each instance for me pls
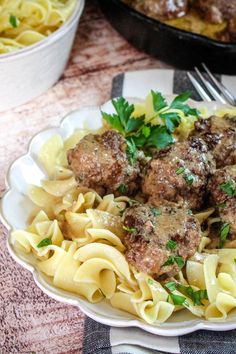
(26, 22)
(84, 251)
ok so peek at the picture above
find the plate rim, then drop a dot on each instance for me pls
(200, 323)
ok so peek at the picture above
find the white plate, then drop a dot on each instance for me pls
(15, 209)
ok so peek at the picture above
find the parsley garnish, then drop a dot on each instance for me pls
(170, 261)
(158, 101)
(179, 300)
(198, 296)
(150, 281)
(180, 170)
(171, 245)
(171, 285)
(229, 188)
(13, 21)
(129, 229)
(159, 137)
(155, 211)
(122, 120)
(221, 206)
(146, 131)
(189, 179)
(45, 242)
(122, 189)
(179, 261)
(195, 296)
(131, 151)
(172, 120)
(224, 231)
(174, 259)
(140, 134)
(189, 212)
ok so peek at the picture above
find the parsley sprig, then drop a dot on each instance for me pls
(142, 134)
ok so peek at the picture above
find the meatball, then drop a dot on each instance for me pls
(219, 11)
(179, 174)
(222, 193)
(219, 133)
(101, 162)
(163, 9)
(159, 239)
(216, 11)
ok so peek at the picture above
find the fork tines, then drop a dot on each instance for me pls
(209, 87)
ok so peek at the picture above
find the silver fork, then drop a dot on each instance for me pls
(210, 88)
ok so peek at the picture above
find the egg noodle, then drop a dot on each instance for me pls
(85, 255)
(26, 22)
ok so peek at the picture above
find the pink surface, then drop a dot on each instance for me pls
(31, 321)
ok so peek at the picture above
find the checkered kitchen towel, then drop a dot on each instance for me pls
(101, 339)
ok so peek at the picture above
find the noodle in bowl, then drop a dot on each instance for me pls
(28, 72)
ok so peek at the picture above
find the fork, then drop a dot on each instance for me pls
(210, 88)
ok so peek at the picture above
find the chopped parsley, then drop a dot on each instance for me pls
(198, 296)
(146, 131)
(221, 206)
(224, 231)
(155, 211)
(171, 245)
(180, 170)
(142, 134)
(122, 189)
(174, 260)
(179, 261)
(13, 21)
(229, 188)
(150, 282)
(129, 229)
(189, 212)
(189, 179)
(185, 172)
(131, 151)
(171, 285)
(45, 242)
(179, 300)
(195, 296)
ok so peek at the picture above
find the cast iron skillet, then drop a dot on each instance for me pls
(177, 47)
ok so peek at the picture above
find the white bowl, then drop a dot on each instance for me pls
(15, 208)
(28, 72)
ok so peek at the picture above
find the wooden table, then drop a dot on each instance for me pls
(31, 321)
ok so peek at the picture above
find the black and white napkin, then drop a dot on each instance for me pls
(101, 339)
(139, 83)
